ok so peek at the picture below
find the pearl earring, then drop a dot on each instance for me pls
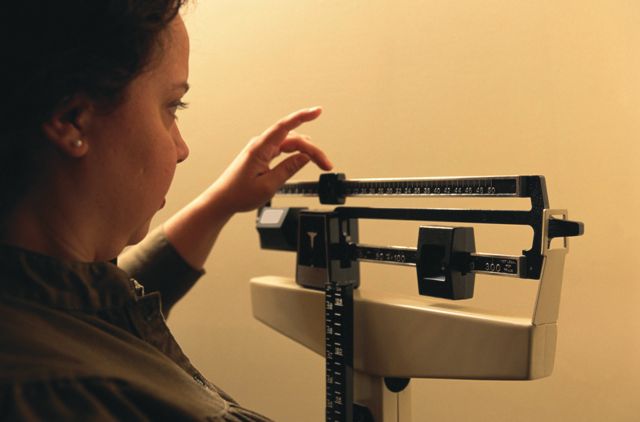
(77, 143)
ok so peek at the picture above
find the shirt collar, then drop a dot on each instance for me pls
(86, 286)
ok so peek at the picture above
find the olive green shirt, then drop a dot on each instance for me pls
(85, 341)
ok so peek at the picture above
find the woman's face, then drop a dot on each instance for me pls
(133, 151)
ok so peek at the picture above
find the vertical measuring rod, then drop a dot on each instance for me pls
(339, 352)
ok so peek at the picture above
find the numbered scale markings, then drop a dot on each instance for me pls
(339, 352)
(509, 186)
(504, 265)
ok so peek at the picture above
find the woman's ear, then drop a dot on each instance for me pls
(65, 126)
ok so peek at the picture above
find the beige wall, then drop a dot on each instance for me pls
(429, 88)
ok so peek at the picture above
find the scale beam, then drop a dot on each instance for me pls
(333, 188)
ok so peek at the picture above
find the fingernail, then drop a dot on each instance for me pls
(313, 109)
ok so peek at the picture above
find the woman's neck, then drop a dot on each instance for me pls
(45, 226)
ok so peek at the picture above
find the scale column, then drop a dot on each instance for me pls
(339, 352)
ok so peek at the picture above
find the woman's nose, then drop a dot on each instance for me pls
(181, 147)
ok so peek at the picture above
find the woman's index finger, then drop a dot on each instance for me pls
(278, 132)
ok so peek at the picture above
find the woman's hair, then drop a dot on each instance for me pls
(53, 50)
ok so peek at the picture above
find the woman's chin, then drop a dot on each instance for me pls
(139, 234)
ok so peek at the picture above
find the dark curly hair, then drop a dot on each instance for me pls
(53, 50)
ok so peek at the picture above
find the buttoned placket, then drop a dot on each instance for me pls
(155, 332)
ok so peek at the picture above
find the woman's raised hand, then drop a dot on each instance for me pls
(249, 181)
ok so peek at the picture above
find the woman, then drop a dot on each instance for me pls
(89, 144)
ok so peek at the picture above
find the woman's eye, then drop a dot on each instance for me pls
(178, 105)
